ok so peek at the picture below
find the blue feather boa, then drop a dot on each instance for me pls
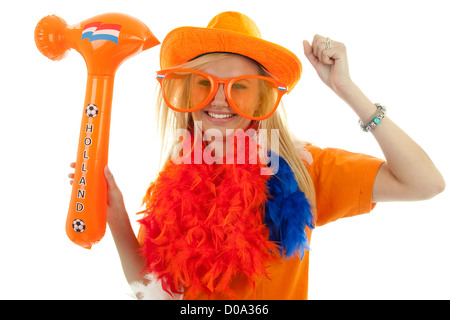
(288, 212)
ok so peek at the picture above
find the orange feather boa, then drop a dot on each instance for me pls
(204, 224)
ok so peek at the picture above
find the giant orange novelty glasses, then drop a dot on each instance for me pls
(253, 97)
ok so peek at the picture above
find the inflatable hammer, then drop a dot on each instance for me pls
(104, 41)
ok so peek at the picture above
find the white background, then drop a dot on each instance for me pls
(398, 54)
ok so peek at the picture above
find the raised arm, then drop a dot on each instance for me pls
(408, 173)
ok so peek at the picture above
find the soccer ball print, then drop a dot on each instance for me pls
(91, 110)
(78, 225)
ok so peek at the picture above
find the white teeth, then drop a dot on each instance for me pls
(219, 116)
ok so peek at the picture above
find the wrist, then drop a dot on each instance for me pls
(374, 120)
(346, 89)
(357, 100)
(117, 216)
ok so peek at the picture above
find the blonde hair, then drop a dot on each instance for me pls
(168, 121)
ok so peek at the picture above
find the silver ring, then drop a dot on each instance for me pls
(328, 43)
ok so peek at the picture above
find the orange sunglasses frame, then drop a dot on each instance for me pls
(282, 89)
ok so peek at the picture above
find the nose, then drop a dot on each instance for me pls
(220, 99)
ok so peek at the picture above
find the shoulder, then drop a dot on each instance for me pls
(343, 180)
(303, 150)
(317, 158)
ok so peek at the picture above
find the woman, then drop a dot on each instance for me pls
(192, 237)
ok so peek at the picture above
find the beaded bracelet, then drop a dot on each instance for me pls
(374, 120)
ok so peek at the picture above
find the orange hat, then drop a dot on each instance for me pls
(230, 32)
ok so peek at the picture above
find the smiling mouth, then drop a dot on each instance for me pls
(220, 116)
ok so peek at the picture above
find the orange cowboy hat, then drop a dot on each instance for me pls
(231, 32)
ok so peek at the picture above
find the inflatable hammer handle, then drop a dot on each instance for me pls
(86, 219)
(104, 41)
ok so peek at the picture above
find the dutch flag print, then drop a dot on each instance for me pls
(98, 31)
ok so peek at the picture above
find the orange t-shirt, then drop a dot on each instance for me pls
(343, 183)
